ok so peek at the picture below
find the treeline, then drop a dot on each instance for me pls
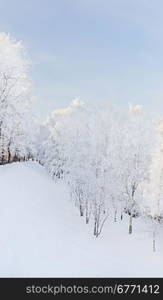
(16, 124)
(112, 162)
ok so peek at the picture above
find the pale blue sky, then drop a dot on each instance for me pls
(100, 50)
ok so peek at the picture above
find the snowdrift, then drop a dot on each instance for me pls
(41, 233)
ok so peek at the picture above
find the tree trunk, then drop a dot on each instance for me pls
(2, 159)
(9, 156)
(88, 212)
(87, 218)
(130, 224)
(95, 228)
(81, 211)
(154, 240)
(115, 216)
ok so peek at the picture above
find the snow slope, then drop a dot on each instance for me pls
(41, 233)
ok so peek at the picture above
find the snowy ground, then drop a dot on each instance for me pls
(41, 233)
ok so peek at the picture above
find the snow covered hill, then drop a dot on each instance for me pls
(41, 233)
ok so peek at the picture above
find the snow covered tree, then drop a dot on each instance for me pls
(15, 99)
(134, 161)
(103, 155)
(153, 190)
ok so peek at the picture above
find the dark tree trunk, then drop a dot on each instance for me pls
(9, 155)
(130, 224)
(81, 211)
